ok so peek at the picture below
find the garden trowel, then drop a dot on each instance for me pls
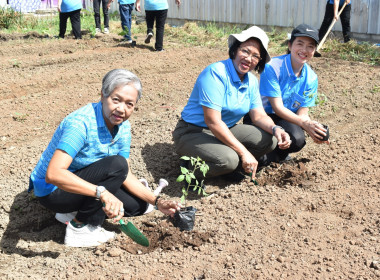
(136, 235)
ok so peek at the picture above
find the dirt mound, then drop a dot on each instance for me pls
(292, 173)
(162, 235)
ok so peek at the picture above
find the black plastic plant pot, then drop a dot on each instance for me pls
(325, 138)
(184, 218)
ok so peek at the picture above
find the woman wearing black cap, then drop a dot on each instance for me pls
(288, 88)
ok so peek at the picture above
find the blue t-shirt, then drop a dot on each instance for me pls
(219, 87)
(85, 137)
(70, 5)
(156, 5)
(341, 2)
(126, 2)
(278, 80)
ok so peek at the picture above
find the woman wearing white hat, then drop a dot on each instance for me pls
(223, 93)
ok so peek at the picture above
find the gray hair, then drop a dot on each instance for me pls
(120, 77)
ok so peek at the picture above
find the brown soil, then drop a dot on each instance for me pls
(315, 217)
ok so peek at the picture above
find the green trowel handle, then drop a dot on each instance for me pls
(130, 230)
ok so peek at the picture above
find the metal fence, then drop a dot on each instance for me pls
(365, 14)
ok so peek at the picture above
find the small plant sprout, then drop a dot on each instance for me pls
(189, 177)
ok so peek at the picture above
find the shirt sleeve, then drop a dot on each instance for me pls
(269, 83)
(211, 88)
(73, 137)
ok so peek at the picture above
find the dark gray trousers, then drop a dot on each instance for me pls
(191, 140)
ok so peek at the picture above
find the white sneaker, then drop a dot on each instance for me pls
(148, 37)
(106, 30)
(65, 218)
(86, 236)
(97, 30)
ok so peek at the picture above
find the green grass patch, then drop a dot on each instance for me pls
(207, 34)
(352, 51)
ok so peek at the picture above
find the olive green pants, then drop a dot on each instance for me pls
(191, 140)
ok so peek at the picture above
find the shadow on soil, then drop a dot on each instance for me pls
(30, 221)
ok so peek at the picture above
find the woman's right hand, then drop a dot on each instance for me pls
(113, 207)
(314, 129)
(249, 163)
(168, 207)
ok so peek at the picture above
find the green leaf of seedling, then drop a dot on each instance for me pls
(192, 175)
(180, 178)
(195, 188)
(185, 158)
(199, 190)
(188, 178)
(183, 199)
(184, 170)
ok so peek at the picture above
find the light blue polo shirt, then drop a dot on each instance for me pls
(70, 5)
(126, 2)
(341, 2)
(278, 80)
(155, 5)
(85, 137)
(219, 87)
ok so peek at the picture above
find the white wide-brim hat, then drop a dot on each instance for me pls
(252, 32)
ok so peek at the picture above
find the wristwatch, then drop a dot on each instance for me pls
(275, 127)
(99, 190)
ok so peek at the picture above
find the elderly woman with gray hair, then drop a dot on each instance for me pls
(84, 173)
(223, 93)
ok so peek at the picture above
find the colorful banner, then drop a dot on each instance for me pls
(29, 6)
(25, 6)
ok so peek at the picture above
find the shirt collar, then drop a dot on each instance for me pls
(233, 73)
(99, 115)
(101, 122)
(288, 64)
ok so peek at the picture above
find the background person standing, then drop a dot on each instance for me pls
(156, 10)
(332, 9)
(69, 9)
(96, 6)
(125, 10)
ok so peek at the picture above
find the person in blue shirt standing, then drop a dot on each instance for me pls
(288, 87)
(223, 93)
(156, 10)
(125, 10)
(84, 174)
(70, 9)
(332, 9)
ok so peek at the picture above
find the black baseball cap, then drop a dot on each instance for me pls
(304, 30)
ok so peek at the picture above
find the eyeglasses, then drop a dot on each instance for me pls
(246, 53)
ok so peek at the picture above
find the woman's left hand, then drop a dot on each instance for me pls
(168, 207)
(283, 139)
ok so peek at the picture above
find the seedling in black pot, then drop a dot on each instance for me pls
(185, 218)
